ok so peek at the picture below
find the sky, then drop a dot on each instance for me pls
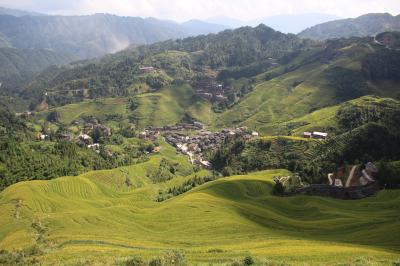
(182, 10)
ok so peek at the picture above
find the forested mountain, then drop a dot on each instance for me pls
(286, 23)
(365, 25)
(237, 47)
(180, 59)
(344, 69)
(20, 65)
(93, 35)
(106, 161)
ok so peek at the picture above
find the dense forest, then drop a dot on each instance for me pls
(23, 157)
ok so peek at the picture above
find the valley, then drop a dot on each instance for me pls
(211, 149)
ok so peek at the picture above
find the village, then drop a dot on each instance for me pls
(193, 140)
(89, 136)
(189, 138)
(212, 90)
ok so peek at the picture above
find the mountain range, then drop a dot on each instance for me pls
(365, 25)
(289, 23)
(94, 35)
(215, 149)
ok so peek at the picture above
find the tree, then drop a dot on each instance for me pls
(278, 188)
(53, 116)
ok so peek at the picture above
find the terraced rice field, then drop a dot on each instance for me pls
(95, 218)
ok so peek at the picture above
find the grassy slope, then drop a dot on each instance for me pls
(277, 101)
(96, 217)
(280, 100)
(98, 108)
(321, 119)
(170, 105)
(165, 107)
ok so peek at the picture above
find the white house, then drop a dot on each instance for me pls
(319, 135)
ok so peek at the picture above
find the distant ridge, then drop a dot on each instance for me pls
(91, 36)
(18, 13)
(365, 25)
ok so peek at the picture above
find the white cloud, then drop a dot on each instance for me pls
(187, 9)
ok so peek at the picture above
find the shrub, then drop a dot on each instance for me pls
(156, 262)
(389, 174)
(248, 260)
(53, 116)
(136, 261)
(175, 258)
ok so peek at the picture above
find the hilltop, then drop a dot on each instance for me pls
(365, 25)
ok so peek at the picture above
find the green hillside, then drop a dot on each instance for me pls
(186, 59)
(311, 81)
(96, 218)
(21, 65)
(324, 119)
(275, 101)
(165, 107)
(97, 108)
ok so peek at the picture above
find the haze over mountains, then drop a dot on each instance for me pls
(92, 35)
(290, 23)
(62, 39)
(366, 25)
(138, 141)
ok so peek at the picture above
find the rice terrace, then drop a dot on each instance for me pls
(199, 133)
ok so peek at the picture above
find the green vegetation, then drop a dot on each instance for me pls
(179, 60)
(136, 201)
(170, 106)
(238, 156)
(310, 81)
(23, 157)
(96, 218)
(19, 66)
(100, 109)
(362, 130)
(36, 161)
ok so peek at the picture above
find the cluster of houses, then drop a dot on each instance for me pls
(152, 133)
(191, 139)
(88, 128)
(26, 113)
(84, 137)
(194, 146)
(183, 126)
(212, 90)
(356, 176)
(315, 135)
(147, 69)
